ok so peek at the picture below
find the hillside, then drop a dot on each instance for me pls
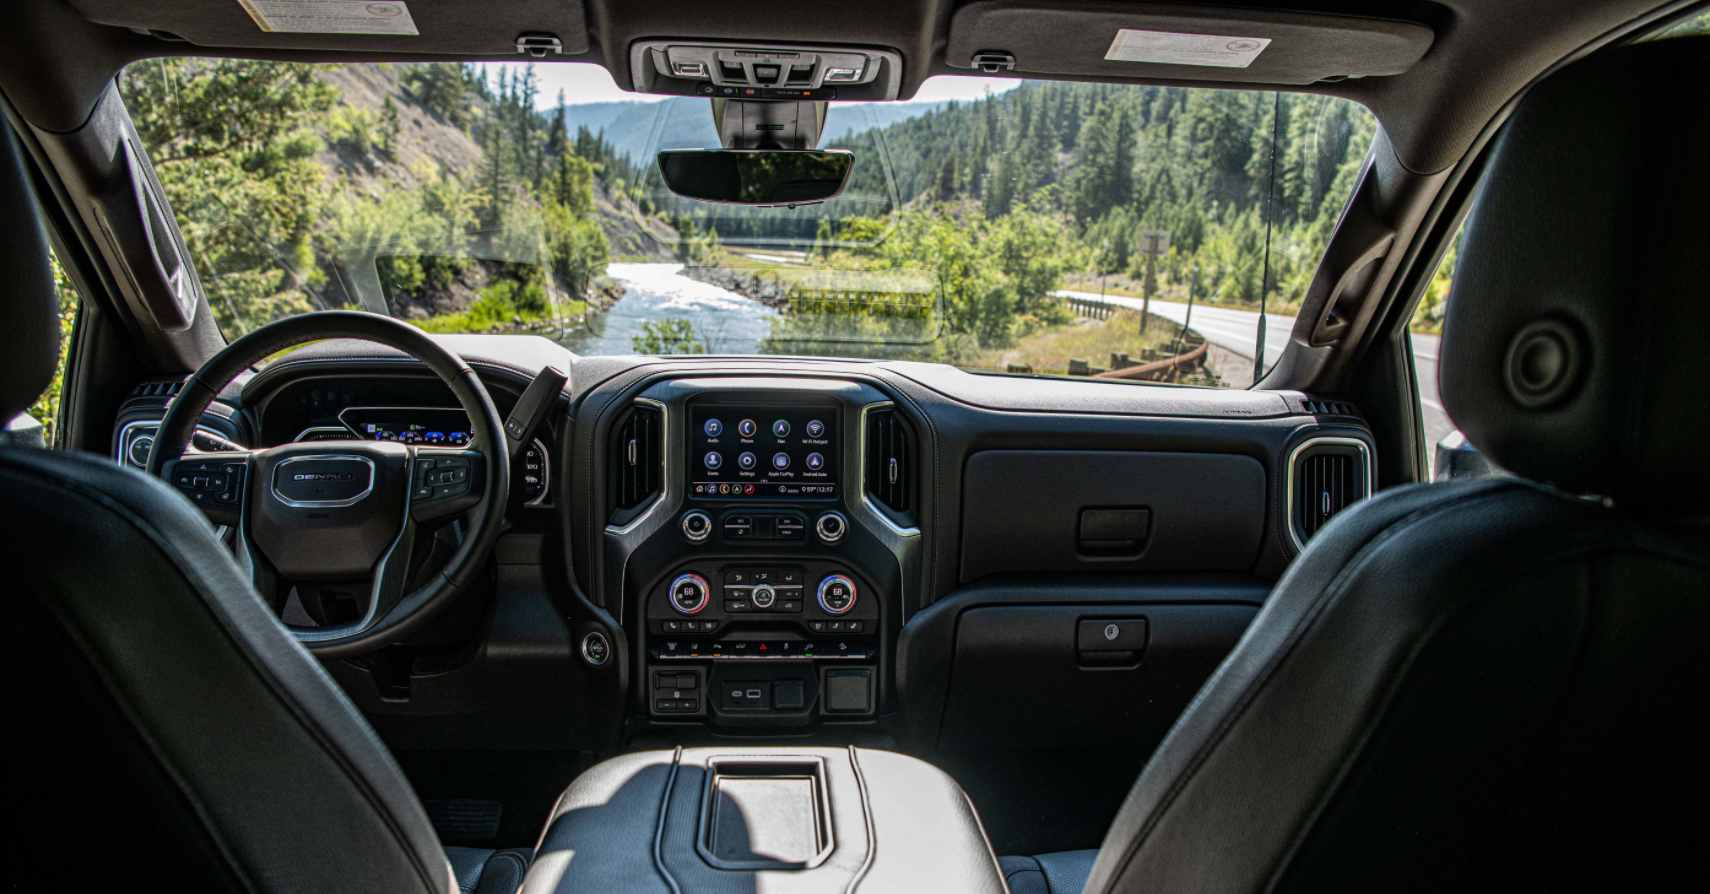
(418, 189)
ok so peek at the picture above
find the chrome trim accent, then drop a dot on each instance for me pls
(272, 483)
(545, 475)
(684, 524)
(819, 526)
(861, 474)
(341, 429)
(125, 439)
(1288, 484)
(667, 483)
(587, 641)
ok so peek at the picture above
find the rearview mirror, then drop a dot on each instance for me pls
(756, 176)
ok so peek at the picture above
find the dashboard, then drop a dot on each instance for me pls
(842, 551)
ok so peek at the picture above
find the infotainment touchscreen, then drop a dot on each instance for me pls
(763, 452)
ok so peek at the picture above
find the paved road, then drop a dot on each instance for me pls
(1238, 331)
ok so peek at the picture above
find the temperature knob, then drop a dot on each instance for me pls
(837, 594)
(689, 593)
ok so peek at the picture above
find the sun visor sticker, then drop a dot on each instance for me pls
(331, 16)
(1170, 48)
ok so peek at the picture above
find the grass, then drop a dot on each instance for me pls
(1050, 350)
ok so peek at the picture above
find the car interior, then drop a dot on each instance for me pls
(337, 596)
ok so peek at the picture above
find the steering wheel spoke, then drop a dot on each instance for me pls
(215, 482)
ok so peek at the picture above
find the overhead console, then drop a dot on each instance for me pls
(759, 570)
(765, 71)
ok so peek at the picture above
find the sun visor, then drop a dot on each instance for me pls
(440, 27)
(1159, 41)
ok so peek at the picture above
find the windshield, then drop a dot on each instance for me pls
(1121, 232)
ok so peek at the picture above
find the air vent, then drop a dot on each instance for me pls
(890, 468)
(637, 461)
(1326, 475)
(1317, 407)
(157, 389)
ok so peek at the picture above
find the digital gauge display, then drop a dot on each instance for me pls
(445, 427)
(428, 426)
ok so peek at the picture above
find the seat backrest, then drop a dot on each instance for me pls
(1497, 684)
(165, 731)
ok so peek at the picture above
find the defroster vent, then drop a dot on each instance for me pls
(890, 472)
(637, 462)
(1326, 475)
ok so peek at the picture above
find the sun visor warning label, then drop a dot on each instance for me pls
(1170, 48)
(331, 16)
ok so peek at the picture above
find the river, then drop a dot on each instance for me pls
(727, 322)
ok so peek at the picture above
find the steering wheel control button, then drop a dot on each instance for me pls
(837, 594)
(764, 597)
(713, 459)
(780, 461)
(440, 478)
(747, 461)
(781, 428)
(596, 650)
(831, 527)
(697, 525)
(815, 428)
(689, 593)
(713, 428)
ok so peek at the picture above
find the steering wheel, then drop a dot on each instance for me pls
(344, 510)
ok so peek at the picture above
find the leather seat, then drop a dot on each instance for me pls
(1497, 684)
(165, 730)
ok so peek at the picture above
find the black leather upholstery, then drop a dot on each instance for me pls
(1060, 873)
(1496, 685)
(29, 339)
(485, 871)
(169, 715)
(1594, 217)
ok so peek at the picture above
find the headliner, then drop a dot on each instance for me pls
(57, 56)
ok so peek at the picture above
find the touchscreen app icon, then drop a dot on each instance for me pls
(781, 428)
(746, 428)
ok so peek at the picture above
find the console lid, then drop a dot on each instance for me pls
(797, 820)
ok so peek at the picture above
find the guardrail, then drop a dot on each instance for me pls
(1192, 347)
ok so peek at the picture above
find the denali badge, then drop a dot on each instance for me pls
(323, 481)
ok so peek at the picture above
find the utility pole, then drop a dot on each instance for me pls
(1193, 287)
(1160, 242)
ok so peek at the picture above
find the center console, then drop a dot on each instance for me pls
(767, 590)
(804, 820)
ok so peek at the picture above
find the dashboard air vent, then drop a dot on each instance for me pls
(1326, 475)
(1318, 407)
(637, 459)
(157, 389)
(890, 468)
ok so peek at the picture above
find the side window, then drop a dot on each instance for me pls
(1427, 331)
(46, 409)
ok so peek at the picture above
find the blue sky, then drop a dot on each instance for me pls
(586, 83)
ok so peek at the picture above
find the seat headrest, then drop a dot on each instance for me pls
(1577, 344)
(29, 312)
